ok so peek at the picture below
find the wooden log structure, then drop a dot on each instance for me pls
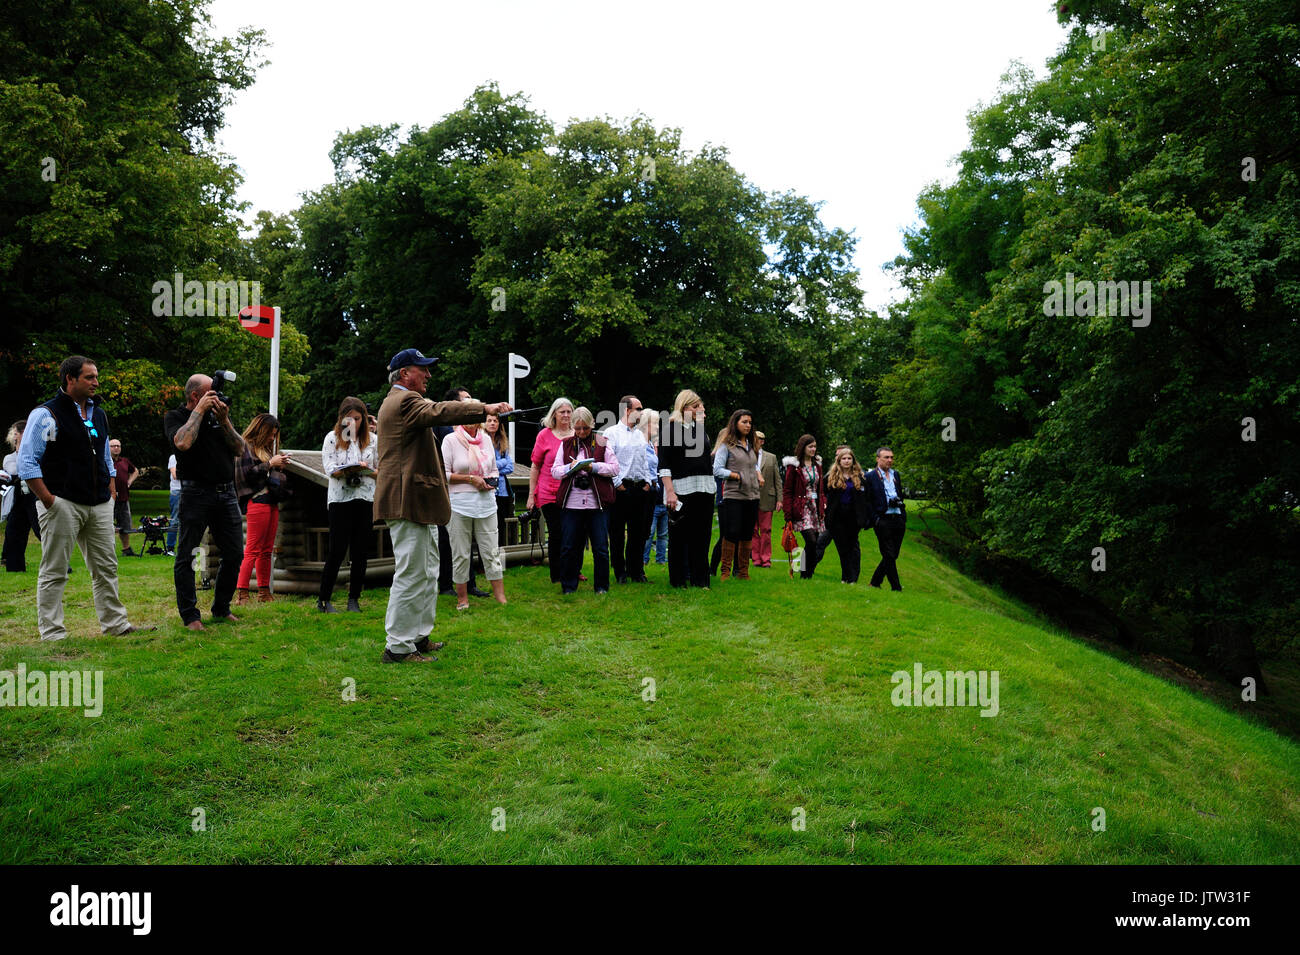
(302, 539)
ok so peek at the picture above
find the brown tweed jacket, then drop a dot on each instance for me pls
(411, 483)
(769, 495)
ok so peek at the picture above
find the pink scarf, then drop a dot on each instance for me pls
(480, 448)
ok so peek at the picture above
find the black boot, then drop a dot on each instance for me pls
(353, 605)
(324, 606)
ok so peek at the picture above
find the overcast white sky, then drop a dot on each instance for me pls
(857, 105)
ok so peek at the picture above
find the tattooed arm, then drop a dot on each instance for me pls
(234, 440)
(189, 431)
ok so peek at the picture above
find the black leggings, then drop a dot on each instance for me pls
(553, 514)
(736, 519)
(351, 524)
(812, 554)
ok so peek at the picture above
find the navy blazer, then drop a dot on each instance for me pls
(876, 501)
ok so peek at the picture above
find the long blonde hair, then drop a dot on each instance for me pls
(835, 477)
(260, 436)
(685, 398)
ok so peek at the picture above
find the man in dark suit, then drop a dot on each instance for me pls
(887, 515)
(411, 495)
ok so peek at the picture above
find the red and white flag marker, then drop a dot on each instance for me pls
(264, 320)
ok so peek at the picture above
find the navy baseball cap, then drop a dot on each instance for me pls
(409, 356)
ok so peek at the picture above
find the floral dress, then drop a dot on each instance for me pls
(811, 519)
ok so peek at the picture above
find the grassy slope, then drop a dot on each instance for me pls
(771, 695)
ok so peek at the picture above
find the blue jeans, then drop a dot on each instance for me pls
(171, 529)
(658, 536)
(578, 527)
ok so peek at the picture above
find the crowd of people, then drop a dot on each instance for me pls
(436, 473)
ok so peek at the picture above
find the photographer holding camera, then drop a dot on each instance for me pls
(472, 476)
(350, 457)
(206, 445)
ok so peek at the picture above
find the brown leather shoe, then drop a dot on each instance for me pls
(241, 596)
(424, 646)
(416, 657)
(264, 595)
(196, 625)
(228, 618)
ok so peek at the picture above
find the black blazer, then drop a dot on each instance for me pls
(859, 504)
(876, 500)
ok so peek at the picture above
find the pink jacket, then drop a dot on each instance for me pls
(543, 456)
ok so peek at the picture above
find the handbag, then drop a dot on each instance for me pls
(788, 542)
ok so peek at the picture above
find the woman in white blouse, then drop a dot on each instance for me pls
(349, 456)
(472, 478)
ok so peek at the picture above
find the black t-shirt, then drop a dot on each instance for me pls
(209, 459)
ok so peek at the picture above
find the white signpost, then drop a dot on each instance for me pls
(516, 367)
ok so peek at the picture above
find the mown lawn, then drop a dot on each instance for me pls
(771, 697)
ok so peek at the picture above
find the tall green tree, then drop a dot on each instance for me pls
(606, 254)
(110, 181)
(1150, 459)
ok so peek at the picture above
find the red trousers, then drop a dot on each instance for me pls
(263, 519)
(762, 544)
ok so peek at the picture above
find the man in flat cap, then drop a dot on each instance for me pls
(411, 495)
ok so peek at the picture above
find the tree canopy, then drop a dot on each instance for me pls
(1155, 465)
(112, 183)
(606, 254)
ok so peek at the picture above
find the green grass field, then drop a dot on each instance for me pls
(772, 705)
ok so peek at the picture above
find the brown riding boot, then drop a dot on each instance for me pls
(264, 595)
(241, 595)
(742, 557)
(728, 557)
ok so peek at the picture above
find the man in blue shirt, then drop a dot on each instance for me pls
(65, 460)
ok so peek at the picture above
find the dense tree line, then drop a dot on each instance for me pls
(110, 182)
(1152, 461)
(607, 255)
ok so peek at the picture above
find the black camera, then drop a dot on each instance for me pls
(530, 515)
(492, 482)
(354, 480)
(582, 481)
(221, 380)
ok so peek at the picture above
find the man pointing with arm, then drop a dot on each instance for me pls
(411, 495)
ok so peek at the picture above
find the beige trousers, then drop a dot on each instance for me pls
(484, 530)
(91, 528)
(413, 601)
